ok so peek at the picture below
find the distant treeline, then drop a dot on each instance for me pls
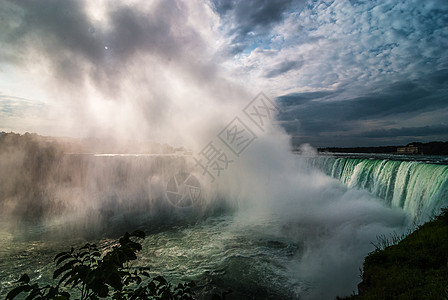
(28, 164)
(37, 178)
(431, 148)
(86, 145)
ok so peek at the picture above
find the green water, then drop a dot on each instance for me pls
(419, 187)
(219, 253)
(308, 244)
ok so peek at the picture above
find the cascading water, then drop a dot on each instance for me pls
(420, 188)
(273, 228)
(106, 191)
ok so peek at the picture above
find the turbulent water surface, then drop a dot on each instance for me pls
(309, 246)
(417, 184)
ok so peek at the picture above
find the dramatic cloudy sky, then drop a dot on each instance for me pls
(343, 72)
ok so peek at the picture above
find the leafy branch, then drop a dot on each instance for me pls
(99, 276)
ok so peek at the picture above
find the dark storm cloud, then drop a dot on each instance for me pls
(386, 61)
(284, 67)
(77, 46)
(399, 98)
(58, 29)
(134, 31)
(301, 98)
(253, 15)
(109, 69)
(250, 19)
(441, 130)
(439, 79)
(321, 114)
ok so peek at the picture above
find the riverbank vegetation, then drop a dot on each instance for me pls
(431, 148)
(414, 268)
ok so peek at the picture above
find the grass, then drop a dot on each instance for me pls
(411, 267)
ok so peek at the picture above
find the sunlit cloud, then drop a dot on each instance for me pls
(150, 59)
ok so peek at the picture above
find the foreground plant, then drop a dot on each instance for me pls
(95, 276)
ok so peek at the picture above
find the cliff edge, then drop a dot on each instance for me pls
(414, 268)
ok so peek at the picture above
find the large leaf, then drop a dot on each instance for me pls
(64, 268)
(124, 239)
(134, 245)
(114, 281)
(84, 253)
(129, 254)
(52, 292)
(139, 233)
(24, 279)
(33, 295)
(96, 254)
(60, 254)
(101, 289)
(65, 276)
(87, 246)
(72, 279)
(65, 294)
(23, 288)
(160, 279)
(62, 257)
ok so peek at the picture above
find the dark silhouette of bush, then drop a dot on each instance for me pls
(431, 148)
(95, 275)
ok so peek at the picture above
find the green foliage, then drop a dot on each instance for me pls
(414, 268)
(383, 241)
(96, 275)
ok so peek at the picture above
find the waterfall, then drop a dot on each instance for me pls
(419, 188)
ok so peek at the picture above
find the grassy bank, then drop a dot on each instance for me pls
(414, 268)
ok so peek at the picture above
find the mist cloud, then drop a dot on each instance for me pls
(79, 46)
(145, 69)
(143, 59)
